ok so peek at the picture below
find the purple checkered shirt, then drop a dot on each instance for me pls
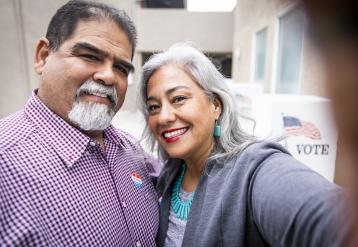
(58, 188)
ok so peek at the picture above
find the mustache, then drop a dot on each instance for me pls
(93, 87)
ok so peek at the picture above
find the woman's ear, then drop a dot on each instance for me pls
(41, 53)
(217, 107)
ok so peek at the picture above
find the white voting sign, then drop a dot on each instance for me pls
(307, 124)
(306, 121)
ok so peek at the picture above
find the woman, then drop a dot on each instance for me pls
(219, 186)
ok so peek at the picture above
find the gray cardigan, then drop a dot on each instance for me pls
(262, 197)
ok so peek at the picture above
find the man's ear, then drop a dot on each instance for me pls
(217, 106)
(41, 53)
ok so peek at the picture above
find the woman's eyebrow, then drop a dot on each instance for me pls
(169, 91)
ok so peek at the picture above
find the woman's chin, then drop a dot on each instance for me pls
(175, 155)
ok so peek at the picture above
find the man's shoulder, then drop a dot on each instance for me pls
(13, 129)
(127, 139)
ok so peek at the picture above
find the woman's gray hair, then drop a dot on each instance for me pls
(205, 74)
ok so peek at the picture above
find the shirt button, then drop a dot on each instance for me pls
(92, 143)
(138, 244)
(124, 204)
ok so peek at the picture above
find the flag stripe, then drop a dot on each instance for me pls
(295, 127)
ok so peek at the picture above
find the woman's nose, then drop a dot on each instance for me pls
(166, 115)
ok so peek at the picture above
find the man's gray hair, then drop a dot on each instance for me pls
(213, 83)
(63, 24)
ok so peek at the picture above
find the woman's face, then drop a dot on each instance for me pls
(181, 116)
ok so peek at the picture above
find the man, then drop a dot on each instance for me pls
(67, 177)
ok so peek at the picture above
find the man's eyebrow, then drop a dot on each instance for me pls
(89, 47)
(169, 91)
(128, 66)
(86, 46)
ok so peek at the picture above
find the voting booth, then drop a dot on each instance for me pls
(304, 121)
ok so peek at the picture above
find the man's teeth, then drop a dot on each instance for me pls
(174, 133)
(98, 94)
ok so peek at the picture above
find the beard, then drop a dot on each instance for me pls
(93, 116)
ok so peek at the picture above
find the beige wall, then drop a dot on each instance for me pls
(158, 29)
(25, 21)
(22, 22)
(14, 84)
(251, 16)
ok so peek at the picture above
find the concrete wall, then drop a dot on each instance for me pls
(158, 29)
(15, 83)
(22, 22)
(251, 16)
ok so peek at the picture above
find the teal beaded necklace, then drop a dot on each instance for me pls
(181, 209)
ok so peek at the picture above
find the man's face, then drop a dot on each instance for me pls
(87, 75)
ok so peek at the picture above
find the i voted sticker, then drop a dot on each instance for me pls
(137, 180)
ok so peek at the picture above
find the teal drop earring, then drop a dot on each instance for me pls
(217, 129)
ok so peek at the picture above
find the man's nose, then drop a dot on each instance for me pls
(105, 73)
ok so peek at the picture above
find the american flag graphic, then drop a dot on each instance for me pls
(295, 127)
(137, 180)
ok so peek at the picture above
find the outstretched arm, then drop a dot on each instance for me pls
(294, 206)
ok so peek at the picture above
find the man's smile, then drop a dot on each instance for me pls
(98, 97)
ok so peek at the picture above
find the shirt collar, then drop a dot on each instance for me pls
(111, 134)
(67, 141)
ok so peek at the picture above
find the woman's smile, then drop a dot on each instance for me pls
(173, 135)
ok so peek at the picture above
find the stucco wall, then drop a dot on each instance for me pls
(23, 22)
(251, 16)
(158, 29)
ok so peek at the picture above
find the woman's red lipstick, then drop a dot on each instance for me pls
(177, 136)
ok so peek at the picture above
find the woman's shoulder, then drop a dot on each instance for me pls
(269, 162)
(264, 148)
(267, 156)
(260, 151)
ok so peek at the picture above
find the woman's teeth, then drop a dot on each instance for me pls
(175, 133)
